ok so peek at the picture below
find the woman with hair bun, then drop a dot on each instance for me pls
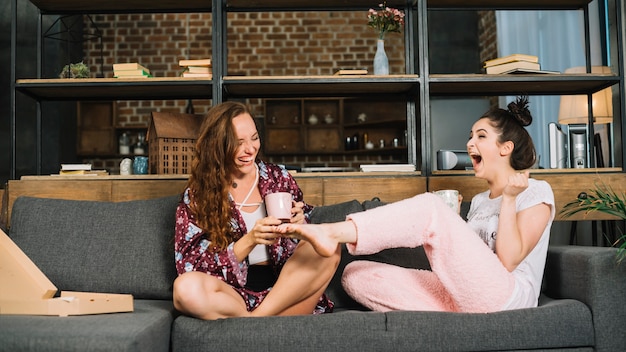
(492, 262)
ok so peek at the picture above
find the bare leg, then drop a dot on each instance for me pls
(324, 237)
(301, 283)
(205, 297)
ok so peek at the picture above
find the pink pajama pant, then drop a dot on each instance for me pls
(466, 274)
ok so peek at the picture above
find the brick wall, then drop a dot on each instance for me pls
(274, 43)
(489, 40)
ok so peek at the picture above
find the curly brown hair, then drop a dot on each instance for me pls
(211, 175)
(510, 123)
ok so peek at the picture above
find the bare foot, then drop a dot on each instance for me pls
(318, 235)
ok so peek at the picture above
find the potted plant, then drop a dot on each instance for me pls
(603, 199)
(77, 70)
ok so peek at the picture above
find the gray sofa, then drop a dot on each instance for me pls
(127, 248)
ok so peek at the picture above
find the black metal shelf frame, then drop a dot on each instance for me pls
(418, 85)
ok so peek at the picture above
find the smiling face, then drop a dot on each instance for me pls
(488, 154)
(249, 143)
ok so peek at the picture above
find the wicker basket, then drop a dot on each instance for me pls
(172, 140)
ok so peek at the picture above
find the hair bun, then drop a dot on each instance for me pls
(519, 110)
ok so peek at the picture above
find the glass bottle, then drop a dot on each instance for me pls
(124, 143)
(140, 146)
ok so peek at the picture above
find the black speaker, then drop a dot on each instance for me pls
(453, 160)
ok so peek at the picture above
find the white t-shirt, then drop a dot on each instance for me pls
(483, 219)
(259, 253)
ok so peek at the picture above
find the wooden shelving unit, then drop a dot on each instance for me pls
(417, 85)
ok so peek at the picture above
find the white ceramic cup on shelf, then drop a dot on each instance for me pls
(450, 197)
(279, 205)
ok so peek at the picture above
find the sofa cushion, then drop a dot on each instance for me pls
(555, 324)
(146, 329)
(112, 247)
(335, 212)
(346, 331)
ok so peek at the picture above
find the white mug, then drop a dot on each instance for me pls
(451, 198)
(279, 205)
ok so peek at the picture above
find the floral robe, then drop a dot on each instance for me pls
(192, 252)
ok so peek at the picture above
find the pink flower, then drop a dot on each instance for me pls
(385, 20)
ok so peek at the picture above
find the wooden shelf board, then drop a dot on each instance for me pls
(283, 86)
(121, 6)
(509, 4)
(571, 171)
(308, 5)
(539, 84)
(147, 6)
(116, 89)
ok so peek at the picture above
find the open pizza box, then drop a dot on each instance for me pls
(25, 290)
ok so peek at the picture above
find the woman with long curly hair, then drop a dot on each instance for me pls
(493, 262)
(230, 260)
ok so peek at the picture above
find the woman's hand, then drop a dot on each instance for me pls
(518, 182)
(263, 231)
(297, 213)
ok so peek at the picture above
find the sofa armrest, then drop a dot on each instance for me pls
(591, 275)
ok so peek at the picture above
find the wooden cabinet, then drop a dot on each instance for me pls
(95, 128)
(381, 122)
(335, 125)
(318, 188)
(297, 126)
(99, 132)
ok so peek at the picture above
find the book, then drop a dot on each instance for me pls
(136, 72)
(129, 66)
(509, 66)
(83, 172)
(522, 71)
(511, 58)
(198, 69)
(198, 62)
(73, 167)
(191, 74)
(342, 72)
(133, 76)
(388, 167)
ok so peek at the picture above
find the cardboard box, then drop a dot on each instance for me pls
(25, 290)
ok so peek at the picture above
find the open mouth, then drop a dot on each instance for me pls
(476, 159)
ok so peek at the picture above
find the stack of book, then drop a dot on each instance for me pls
(196, 68)
(350, 71)
(130, 70)
(80, 169)
(516, 63)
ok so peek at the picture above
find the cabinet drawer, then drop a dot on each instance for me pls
(283, 140)
(323, 140)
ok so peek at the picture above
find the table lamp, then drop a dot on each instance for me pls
(574, 108)
(574, 112)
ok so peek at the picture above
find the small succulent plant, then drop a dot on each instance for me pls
(77, 70)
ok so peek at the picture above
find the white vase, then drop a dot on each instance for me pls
(381, 63)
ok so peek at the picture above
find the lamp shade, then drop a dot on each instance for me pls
(574, 108)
